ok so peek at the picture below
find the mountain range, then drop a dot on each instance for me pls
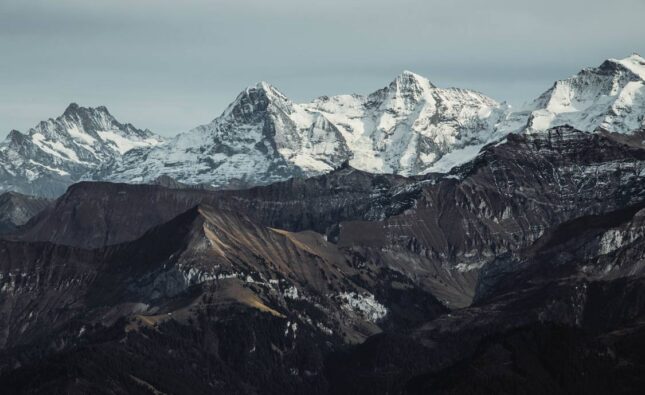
(410, 127)
(58, 152)
(415, 240)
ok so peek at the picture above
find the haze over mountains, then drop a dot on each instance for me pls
(410, 127)
(414, 240)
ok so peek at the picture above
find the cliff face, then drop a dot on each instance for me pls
(520, 267)
(49, 157)
(209, 272)
(340, 283)
(409, 127)
(16, 209)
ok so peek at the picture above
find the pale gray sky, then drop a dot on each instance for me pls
(172, 65)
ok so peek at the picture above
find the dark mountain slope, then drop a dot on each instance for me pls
(500, 202)
(237, 307)
(565, 316)
(446, 227)
(16, 209)
(98, 214)
(268, 290)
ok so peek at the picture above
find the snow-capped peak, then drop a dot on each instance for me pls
(408, 127)
(409, 79)
(270, 90)
(81, 139)
(610, 96)
(404, 93)
(71, 109)
(93, 130)
(405, 89)
(634, 63)
(84, 119)
(74, 108)
(272, 93)
(263, 136)
(255, 99)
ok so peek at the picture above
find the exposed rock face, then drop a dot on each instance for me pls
(601, 247)
(58, 152)
(406, 127)
(410, 127)
(16, 209)
(446, 227)
(205, 271)
(217, 289)
(502, 201)
(264, 137)
(610, 97)
(543, 231)
(98, 214)
(555, 317)
(521, 268)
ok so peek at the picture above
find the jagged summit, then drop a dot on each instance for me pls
(405, 90)
(71, 109)
(61, 150)
(610, 96)
(634, 63)
(410, 79)
(16, 209)
(264, 137)
(408, 127)
(411, 74)
(254, 99)
(270, 89)
(74, 109)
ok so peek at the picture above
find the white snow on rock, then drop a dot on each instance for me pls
(124, 144)
(58, 152)
(264, 137)
(635, 63)
(455, 158)
(291, 293)
(610, 96)
(409, 127)
(364, 305)
(614, 239)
